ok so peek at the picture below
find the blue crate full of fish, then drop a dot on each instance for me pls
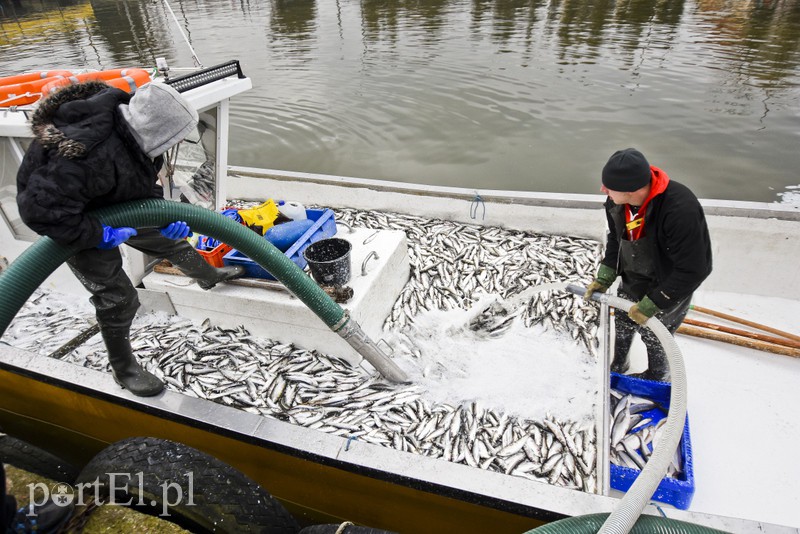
(324, 226)
(650, 402)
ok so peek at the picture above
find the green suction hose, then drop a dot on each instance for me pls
(33, 266)
(646, 524)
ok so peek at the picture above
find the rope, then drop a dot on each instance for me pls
(17, 97)
(194, 55)
(473, 207)
(343, 527)
(170, 162)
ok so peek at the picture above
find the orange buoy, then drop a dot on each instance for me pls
(27, 92)
(25, 89)
(126, 79)
(33, 76)
(131, 80)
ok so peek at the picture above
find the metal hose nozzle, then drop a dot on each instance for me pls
(352, 332)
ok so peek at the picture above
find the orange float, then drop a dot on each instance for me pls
(33, 76)
(25, 89)
(126, 79)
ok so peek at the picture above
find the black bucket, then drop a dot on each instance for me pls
(329, 261)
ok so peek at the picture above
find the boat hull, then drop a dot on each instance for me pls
(77, 421)
(76, 412)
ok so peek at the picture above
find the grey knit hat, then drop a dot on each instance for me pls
(159, 118)
(627, 170)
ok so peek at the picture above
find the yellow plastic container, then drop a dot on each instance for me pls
(262, 216)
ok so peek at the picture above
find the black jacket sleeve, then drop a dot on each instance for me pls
(611, 257)
(685, 247)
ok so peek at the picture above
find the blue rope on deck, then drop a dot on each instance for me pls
(473, 207)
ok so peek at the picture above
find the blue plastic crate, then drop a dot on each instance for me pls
(324, 226)
(677, 492)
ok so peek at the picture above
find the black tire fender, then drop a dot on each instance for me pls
(27, 457)
(215, 496)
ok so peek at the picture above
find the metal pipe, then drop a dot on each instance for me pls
(352, 332)
(624, 517)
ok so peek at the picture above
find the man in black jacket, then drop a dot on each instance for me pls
(658, 243)
(95, 146)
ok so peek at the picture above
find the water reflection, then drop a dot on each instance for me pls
(293, 19)
(453, 91)
(510, 20)
(384, 20)
(28, 22)
(129, 32)
(756, 38)
(16, 9)
(764, 40)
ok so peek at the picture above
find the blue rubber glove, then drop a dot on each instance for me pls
(114, 237)
(176, 230)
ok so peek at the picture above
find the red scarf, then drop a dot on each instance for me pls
(634, 224)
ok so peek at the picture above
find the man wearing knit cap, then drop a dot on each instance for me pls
(658, 245)
(96, 146)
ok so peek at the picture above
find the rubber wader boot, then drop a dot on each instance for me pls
(126, 370)
(220, 275)
(621, 363)
(657, 367)
(207, 275)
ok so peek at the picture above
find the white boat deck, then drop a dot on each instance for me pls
(744, 408)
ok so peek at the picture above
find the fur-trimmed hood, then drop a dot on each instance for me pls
(75, 118)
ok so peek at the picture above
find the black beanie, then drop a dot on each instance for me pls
(627, 170)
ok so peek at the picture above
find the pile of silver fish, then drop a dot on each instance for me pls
(636, 426)
(317, 391)
(44, 324)
(452, 265)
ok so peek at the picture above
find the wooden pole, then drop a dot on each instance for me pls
(744, 333)
(738, 340)
(745, 322)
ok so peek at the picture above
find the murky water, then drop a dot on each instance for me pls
(486, 94)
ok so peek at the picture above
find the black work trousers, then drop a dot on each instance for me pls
(113, 295)
(626, 328)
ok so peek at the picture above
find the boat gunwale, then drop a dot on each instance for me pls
(712, 207)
